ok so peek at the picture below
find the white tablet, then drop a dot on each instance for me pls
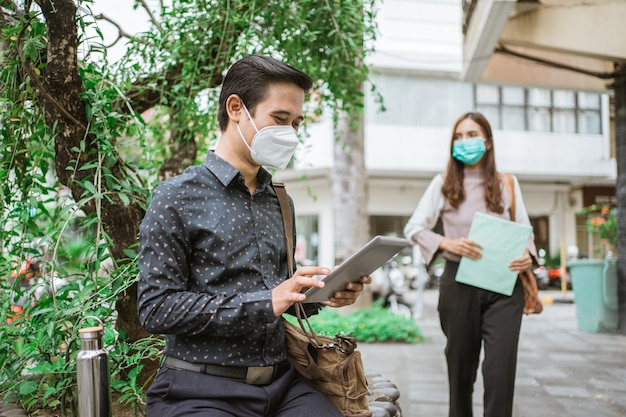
(369, 258)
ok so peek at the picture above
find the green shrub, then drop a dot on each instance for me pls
(369, 325)
(38, 349)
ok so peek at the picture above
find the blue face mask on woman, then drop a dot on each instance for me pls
(469, 151)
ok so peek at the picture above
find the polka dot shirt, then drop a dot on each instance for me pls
(209, 255)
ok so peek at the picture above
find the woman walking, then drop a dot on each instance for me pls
(470, 316)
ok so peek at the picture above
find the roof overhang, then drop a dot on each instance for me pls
(484, 21)
(553, 43)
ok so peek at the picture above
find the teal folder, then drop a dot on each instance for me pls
(502, 241)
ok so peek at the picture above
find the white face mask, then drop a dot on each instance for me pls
(272, 146)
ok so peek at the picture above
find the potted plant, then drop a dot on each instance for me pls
(594, 281)
(602, 226)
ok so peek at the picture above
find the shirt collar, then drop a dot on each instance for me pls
(226, 173)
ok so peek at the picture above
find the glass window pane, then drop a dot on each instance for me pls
(487, 94)
(513, 96)
(564, 121)
(564, 99)
(539, 97)
(307, 241)
(539, 120)
(589, 122)
(513, 118)
(588, 101)
(492, 114)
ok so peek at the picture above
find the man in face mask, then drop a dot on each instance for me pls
(213, 262)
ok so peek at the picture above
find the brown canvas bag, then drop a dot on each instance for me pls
(333, 366)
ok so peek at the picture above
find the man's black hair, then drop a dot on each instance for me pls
(250, 78)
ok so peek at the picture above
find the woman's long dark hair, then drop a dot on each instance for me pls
(452, 188)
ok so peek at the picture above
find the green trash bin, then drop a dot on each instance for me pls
(594, 282)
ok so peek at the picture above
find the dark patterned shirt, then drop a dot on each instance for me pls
(209, 255)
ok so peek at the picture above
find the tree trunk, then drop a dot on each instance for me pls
(620, 142)
(349, 189)
(63, 107)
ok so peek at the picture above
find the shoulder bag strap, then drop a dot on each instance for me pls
(285, 211)
(508, 182)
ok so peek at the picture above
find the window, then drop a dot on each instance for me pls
(539, 97)
(487, 94)
(488, 103)
(588, 116)
(492, 114)
(307, 240)
(513, 96)
(564, 113)
(539, 120)
(514, 118)
(539, 109)
(411, 100)
(564, 99)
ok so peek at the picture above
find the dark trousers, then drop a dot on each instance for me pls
(471, 317)
(181, 393)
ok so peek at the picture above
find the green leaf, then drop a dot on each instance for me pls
(89, 165)
(18, 346)
(89, 186)
(27, 387)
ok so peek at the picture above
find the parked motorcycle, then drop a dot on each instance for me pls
(541, 277)
(434, 274)
(554, 275)
(390, 284)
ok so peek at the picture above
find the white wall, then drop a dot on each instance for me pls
(419, 35)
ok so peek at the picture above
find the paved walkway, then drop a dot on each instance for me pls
(561, 371)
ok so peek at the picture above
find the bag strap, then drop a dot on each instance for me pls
(508, 182)
(285, 211)
(308, 330)
(346, 344)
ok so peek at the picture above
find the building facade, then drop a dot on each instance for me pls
(557, 141)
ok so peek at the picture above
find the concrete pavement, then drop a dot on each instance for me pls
(561, 370)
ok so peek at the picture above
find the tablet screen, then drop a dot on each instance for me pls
(369, 258)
